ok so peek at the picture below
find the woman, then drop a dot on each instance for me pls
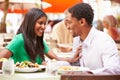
(28, 44)
(110, 24)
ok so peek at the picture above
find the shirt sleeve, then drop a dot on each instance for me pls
(109, 56)
(46, 47)
(16, 43)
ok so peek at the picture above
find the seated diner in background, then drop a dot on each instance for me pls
(28, 43)
(63, 36)
(110, 25)
(97, 49)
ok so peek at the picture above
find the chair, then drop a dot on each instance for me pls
(78, 76)
(118, 46)
(6, 41)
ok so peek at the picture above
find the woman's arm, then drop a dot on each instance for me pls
(5, 53)
(51, 55)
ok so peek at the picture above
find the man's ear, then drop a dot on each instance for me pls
(82, 21)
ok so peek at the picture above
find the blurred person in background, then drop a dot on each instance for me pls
(28, 43)
(49, 26)
(110, 25)
(99, 25)
(62, 35)
(97, 49)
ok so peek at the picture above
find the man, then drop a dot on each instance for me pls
(63, 36)
(98, 51)
(61, 33)
(110, 27)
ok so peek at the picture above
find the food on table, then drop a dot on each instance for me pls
(3, 59)
(68, 68)
(64, 69)
(27, 64)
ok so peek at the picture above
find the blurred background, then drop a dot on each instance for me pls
(12, 11)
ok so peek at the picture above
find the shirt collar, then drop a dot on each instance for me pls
(89, 38)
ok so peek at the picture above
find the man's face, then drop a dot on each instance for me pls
(72, 24)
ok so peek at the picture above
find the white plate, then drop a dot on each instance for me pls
(64, 69)
(42, 67)
(26, 69)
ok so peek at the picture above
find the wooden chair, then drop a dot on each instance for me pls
(78, 76)
(6, 41)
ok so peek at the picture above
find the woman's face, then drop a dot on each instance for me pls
(40, 26)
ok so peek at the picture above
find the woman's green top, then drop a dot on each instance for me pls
(19, 54)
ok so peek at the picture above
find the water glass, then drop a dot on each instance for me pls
(8, 67)
(51, 68)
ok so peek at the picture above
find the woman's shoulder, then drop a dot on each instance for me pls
(16, 41)
(18, 37)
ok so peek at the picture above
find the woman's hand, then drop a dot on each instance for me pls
(77, 55)
(79, 51)
(44, 63)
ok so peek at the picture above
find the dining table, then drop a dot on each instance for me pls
(39, 75)
(66, 76)
(43, 75)
(30, 76)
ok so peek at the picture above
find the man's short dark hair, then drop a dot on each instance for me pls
(82, 10)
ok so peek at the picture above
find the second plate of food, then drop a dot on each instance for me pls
(63, 69)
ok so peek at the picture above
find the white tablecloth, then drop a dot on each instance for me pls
(30, 76)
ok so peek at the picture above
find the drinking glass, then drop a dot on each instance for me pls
(51, 68)
(8, 67)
